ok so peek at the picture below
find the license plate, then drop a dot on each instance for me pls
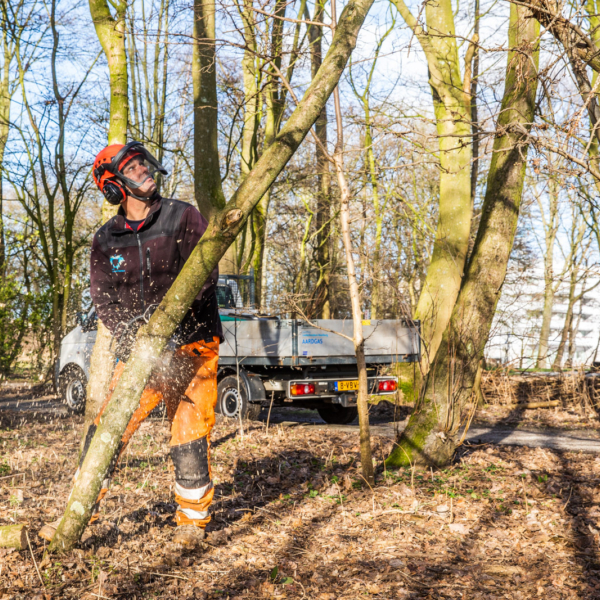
(346, 386)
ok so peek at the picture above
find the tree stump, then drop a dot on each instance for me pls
(13, 536)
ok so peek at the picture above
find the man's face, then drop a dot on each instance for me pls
(136, 170)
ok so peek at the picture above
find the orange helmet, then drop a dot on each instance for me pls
(109, 163)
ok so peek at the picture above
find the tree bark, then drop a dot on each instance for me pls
(431, 435)
(13, 536)
(453, 122)
(222, 229)
(207, 173)
(111, 33)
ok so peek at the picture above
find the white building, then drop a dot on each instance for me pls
(515, 333)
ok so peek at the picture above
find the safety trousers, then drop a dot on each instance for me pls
(188, 387)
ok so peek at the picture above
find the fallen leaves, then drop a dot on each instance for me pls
(459, 528)
(294, 501)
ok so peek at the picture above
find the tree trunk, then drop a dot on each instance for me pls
(111, 33)
(274, 112)
(432, 432)
(453, 122)
(207, 173)
(573, 335)
(366, 457)
(322, 295)
(551, 225)
(543, 349)
(208, 188)
(222, 229)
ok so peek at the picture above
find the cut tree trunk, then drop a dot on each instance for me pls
(221, 231)
(431, 435)
(13, 536)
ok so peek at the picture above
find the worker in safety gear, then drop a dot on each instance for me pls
(135, 258)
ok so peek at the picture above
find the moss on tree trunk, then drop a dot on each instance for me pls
(452, 106)
(432, 433)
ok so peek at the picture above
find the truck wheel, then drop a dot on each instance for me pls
(72, 384)
(338, 415)
(230, 400)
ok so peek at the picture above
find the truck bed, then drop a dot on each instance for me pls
(294, 342)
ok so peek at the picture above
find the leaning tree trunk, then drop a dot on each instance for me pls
(432, 432)
(111, 33)
(223, 226)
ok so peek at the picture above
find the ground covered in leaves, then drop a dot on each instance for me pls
(292, 520)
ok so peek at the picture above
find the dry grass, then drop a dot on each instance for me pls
(571, 389)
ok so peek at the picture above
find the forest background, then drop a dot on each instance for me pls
(54, 118)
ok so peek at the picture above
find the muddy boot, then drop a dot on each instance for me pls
(189, 536)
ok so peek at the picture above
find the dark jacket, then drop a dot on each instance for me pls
(131, 271)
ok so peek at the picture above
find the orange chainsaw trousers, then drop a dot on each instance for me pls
(188, 387)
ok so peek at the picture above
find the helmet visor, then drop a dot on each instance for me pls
(135, 175)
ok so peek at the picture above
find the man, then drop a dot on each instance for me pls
(135, 258)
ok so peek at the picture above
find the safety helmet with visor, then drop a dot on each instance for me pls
(109, 165)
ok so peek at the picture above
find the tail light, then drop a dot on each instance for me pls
(302, 389)
(388, 386)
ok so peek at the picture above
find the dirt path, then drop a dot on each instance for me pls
(556, 439)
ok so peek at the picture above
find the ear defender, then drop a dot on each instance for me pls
(113, 191)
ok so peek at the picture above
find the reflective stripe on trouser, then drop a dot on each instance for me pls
(189, 389)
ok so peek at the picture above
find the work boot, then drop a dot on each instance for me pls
(189, 536)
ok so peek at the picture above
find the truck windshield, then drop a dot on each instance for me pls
(225, 297)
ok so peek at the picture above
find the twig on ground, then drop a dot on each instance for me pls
(34, 561)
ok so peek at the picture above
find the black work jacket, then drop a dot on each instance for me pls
(131, 271)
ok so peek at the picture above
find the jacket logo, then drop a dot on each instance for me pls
(116, 262)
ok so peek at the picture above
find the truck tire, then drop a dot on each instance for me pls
(72, 384)
(230, 401)
(338, 415)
